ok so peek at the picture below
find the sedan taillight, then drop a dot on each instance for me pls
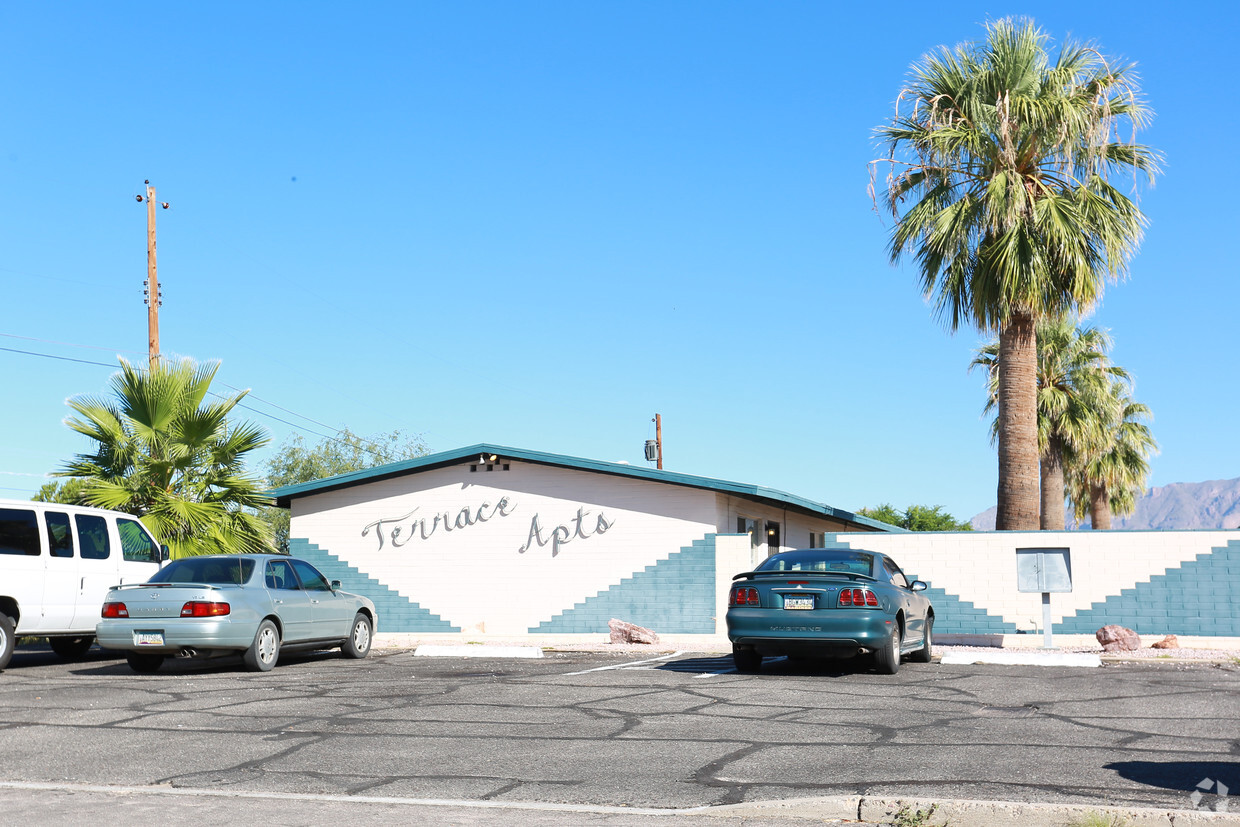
(199, 608)
(114, 610)
(861, 598)
(742, 596)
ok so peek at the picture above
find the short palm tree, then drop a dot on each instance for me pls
(1006, 156)
(1074, 372)
(1110, 473)
(168, 456)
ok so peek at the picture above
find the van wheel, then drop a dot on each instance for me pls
(144, 663)
(7, 639)
(71, 648)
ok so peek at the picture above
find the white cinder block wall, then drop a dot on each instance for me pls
(1156, 582)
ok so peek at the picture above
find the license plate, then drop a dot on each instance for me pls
(799, 601)
(148, 638)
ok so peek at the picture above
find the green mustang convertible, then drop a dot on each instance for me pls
(829, 603)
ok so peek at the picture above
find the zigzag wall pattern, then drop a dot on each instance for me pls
(1195, 598)
(397, 613)
(672, 596)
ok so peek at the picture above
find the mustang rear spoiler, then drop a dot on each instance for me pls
(852, 575)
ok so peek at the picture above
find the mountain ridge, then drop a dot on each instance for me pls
(1179, 505)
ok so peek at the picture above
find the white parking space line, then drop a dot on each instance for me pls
(627, 665)
(187, 792)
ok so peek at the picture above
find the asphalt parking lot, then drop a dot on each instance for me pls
(598, 731)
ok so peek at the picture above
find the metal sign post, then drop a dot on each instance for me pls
(1044, 570)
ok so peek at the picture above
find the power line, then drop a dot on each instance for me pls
(60, 358)
(375, 450)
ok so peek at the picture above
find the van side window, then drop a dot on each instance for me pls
(136, 545)
(59, 535)
(19, 532)
(93, 537)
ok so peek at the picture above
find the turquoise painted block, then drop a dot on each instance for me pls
(673, 596)
(1171, 603)
(396, 612)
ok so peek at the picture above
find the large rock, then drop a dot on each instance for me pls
(1118, 639)
(1169, 642)
(622, 632)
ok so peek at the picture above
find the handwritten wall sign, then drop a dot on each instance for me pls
(408, 527)
(561, 535)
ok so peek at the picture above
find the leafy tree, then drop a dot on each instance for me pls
(1112, 471)
(166, 455)
(916, 518)
(1004, 157)
(1074, 407)
(66, 492)
(885, 513)
(296, 462)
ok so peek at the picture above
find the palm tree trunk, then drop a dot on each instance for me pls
(1018, 426)
(1053, 518)
(1099, 507)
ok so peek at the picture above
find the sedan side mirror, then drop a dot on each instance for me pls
(335, 585)
(919, 586)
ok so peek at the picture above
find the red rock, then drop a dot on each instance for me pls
(1169, 642)
(1118, 639)
(622, 632)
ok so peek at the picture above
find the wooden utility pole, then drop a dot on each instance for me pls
(153, 298)
(658, 438)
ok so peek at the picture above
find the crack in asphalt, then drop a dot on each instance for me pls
(630, 736)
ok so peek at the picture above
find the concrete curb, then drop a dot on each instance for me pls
(477, 651)
(1022, 658)
(968, 813)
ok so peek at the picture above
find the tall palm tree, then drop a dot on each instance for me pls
(1006, 157)
(166, 455)
(1074, 408)
(1113, 470)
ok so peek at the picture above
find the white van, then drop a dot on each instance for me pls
(56, 564)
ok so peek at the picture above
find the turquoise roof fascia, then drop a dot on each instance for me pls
(287, 493)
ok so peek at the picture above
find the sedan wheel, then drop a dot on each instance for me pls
(358, 644)
(70, 648)
(746, 659)
(887, 659)
(926, 652)
(144, 663)
(265, 649)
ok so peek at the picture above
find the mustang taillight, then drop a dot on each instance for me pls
(742, 596)
(863, 598)
(198, 608)
(114, 610)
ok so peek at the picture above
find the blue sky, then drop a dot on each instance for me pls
(538, 224)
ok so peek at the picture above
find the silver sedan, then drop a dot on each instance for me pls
(253, 604)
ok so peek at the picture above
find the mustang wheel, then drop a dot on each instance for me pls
(265, 649)
(71, 648)
(358, 644)
(144, 663)
(7, 639)
(926, 651)
(746, 660)
(887, 659)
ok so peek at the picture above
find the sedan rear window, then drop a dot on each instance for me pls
(210, 570)
(852, 562)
